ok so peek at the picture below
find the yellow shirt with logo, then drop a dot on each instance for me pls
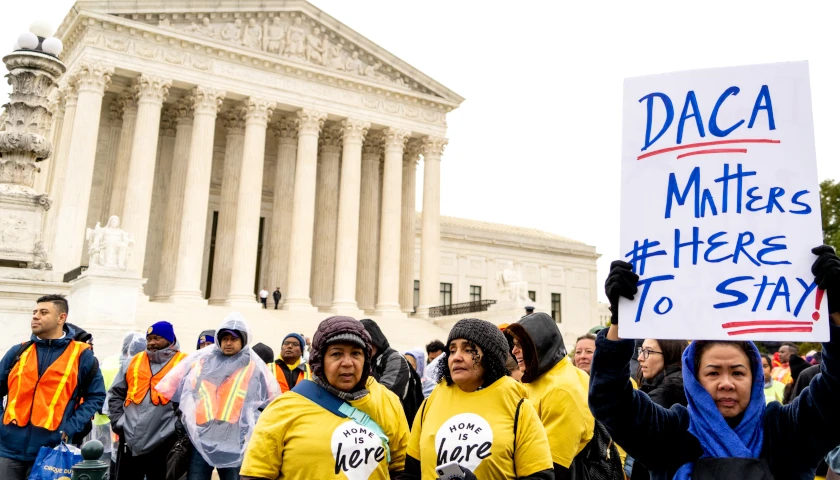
(295, 439)
(560, 397)
(476, 430)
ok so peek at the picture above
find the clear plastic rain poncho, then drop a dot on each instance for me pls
(219, 395)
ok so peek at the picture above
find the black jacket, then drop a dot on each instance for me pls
(276, 295)
(666, 389)
(796, 436)
(389, 367)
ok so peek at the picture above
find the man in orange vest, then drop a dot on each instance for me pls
(143, 419)
(44, 381)
(289, 368)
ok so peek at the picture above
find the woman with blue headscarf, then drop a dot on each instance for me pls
(726, 432)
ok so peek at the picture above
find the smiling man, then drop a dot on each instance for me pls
(290, 367)
(44, 381)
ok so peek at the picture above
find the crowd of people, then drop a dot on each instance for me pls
(492, 402)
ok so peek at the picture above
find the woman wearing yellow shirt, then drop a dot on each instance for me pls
(479, 418)
(298, 438)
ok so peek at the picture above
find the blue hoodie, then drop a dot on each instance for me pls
(23, 443)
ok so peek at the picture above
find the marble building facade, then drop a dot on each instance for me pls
(265, 143)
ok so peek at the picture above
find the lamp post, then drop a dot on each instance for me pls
(34, 68)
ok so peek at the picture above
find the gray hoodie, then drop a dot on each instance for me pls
(145, 425)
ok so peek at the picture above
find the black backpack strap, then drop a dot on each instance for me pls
(515, 430)
(23, 347)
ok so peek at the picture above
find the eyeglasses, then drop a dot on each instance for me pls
(644, 353)
(291, 344)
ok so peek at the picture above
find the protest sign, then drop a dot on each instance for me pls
(720, 205)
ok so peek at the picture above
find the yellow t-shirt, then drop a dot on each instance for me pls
(295, 439)
(560, 397)
(476, 430)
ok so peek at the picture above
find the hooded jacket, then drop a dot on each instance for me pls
(145, 426)
(796, 436)
(23, 443)
(389, 367)
(557, 388)
(195, 385)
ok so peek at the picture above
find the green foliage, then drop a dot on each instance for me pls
(830, 206)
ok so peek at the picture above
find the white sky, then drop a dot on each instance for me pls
(537, 142)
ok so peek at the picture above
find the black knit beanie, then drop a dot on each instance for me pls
(482, 333)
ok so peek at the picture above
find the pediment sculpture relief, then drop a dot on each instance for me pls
(291, 38)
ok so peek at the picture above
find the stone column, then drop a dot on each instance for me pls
(234, 122)
(280, 223)
(388, 299)
(347, 235)
(151, 92)
(309, 123)
(193, 218)
(430, 226)
(369, 199)
(114, 133)
(175, 197)
(46, 166)
(160, 193)
(407, 235)
(119, 178)
(55, 183)
(248, 202)
(326, 218)
(68, 238)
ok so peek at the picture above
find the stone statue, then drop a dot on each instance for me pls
(252, 37)
(315, 51)
(333, 56)
(232, 32)
(511, 286)
(372, 71)
(353, 64)
(274, 40)
(205, 28)
(108, 246)
(295, 38)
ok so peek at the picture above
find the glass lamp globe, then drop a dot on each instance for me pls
(28, 40)
(41, 28)
(52, 45)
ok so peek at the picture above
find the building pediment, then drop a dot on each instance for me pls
(293, 32)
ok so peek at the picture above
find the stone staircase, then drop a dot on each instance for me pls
(270, 326)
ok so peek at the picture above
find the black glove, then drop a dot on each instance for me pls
(468, 474)
(826, 272)
(117, 430)
(621, 282)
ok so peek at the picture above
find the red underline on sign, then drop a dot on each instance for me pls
(714, 150)
(751, 323)
(706, 144)
(771, 330)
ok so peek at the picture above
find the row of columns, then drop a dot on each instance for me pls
(361, 241)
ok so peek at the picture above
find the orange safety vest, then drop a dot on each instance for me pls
(223, 403)
(281, 376)
(139, 378)
(42, 400)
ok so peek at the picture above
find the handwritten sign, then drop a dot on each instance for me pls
(720, 205)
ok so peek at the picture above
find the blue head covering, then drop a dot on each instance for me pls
(419, 358)
(162, 329)
(707, 424)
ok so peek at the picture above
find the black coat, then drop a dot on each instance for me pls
(796, 436)
(666, 389)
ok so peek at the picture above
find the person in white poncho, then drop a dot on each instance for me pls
(218, 391)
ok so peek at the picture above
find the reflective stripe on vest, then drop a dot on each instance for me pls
(281, 376)
(139, 378)
(223, 403)
(43, 400)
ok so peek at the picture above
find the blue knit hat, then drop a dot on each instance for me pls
(162, 329)
(299, 338)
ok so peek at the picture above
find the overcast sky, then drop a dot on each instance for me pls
(537, 142)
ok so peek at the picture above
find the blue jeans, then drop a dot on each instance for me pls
(199, 469)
